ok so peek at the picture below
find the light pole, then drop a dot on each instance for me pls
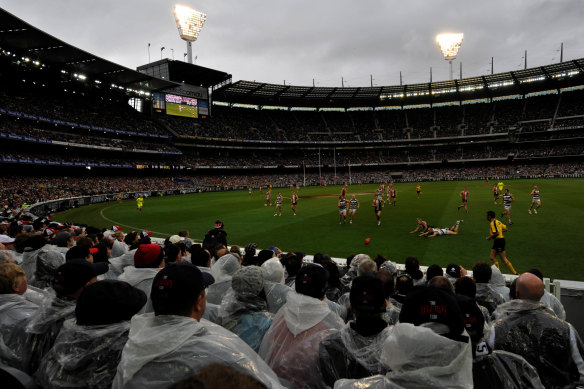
(449, 45)
(190, 23)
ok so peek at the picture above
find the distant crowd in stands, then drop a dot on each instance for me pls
(86, 307)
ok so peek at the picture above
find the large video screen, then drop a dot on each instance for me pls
(181, 106)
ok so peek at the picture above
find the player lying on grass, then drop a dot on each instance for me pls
(422, 226)
(432, 232)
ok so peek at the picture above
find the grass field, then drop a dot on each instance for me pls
(549, 241)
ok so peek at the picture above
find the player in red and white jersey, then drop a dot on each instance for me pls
(464, 197)
(391, 194)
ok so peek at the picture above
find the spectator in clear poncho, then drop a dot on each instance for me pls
(351, 274)
(88, 348)
(15, 313)
(274, 287)
(528, 328)
(427, 348)
(174, 342)
(355, 350)
(393, 308)
(47, 264)
(343, 307)
(69, 281)
(63, 241)
(465, 286)
(486, 295)
(290, 346)
(33, 246)
(148, 260)
(548, 299)
(497, 282)
(244, 309)
(222, 271)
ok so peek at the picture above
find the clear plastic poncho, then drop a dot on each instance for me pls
(351, 274)
(348, 354)
(141, 278)
(29, 261)
(118, 264)
(48, 262)
(497, 281)
(420, 358)
(552, 302)
(292, 341)
(83, 356)
(245, 315)
(274, 287)
(339, 309)
(119, 248)
(488, 297)
(162, 350)
(45, 326)
(222, 271)
(392, 311)
(211, 313)
(35, 295)
(505, 370)
(15, 314)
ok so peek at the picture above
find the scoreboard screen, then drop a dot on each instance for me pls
(181, 106)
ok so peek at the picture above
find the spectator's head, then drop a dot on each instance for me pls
(74, 275)
(529, 287)
(200, 257)
(131, 238)
(274, 271)
(12, 279)
(225, 267)
(293, 264)
(219, 250)
(149, 256)
(264, 255)
(441, 282)
(64, 239)
(433, 271)
(512, 289)
(404, 284)
(311, 281)
(466, 286)
(453, 272)
(388, 282)
(34, 242)
(413, 268)
(79, 252)
(331, 267)
(108, 302)
(250, 254)
(46, 266)
(85, 241)
(172, 254)
(536, 272)
(184, 233)
(434, 308)
(367, 296)
(6, 257)
(357, 259)
(104, 251)
(481, 272)
(366, 267)
(388, 265)
(248, 281)
(379, 260)
(179, 289)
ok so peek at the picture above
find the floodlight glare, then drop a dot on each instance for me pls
(449, 45)
(190, 23)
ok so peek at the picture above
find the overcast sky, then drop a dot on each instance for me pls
(298, 41)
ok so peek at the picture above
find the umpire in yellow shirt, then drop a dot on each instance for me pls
(496, 234)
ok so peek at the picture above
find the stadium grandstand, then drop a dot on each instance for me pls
(77, 129)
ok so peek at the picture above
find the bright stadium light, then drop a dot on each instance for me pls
(449, 45)
(190, 23)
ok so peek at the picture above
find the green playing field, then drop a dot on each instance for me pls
(548, 241)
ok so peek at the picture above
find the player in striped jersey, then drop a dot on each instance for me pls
(278, 204)
(342, 204)
(377, 207)
(507, 200)
(433, 232)
(353, 206)
(294, 199)
(391, 194)
(464, 197)
(535, 199)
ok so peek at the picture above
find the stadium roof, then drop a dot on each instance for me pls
(188, 73)
(521, 82)
(18, 36)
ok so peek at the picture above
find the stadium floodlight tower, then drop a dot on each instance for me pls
(449, 45)
(190, 23)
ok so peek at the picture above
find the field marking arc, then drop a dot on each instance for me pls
(126, 225)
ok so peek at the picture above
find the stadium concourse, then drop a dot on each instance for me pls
(82, 306)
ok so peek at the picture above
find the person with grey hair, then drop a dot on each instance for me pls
(528, 328)
(244, 309)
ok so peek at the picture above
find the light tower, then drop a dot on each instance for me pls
(449, 45)
(190, 23)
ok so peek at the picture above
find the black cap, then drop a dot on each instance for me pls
(311, 280)
(453, 270)
(108, 302)
(367, 295)
(76, 273)
(428, 304)
(179, 279)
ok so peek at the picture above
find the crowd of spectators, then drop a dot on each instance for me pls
(101, 308)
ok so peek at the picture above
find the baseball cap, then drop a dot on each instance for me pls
(175, 239)
(248, 280)
(453, 270)
(108, 302)
(311, 280)
(76, 273)
(367, 295)
(5, 239)
(145, 234)
(62, 237)
(148, 255)
(218, 224)
(428, 304)
(176, 282)
(116, 228)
